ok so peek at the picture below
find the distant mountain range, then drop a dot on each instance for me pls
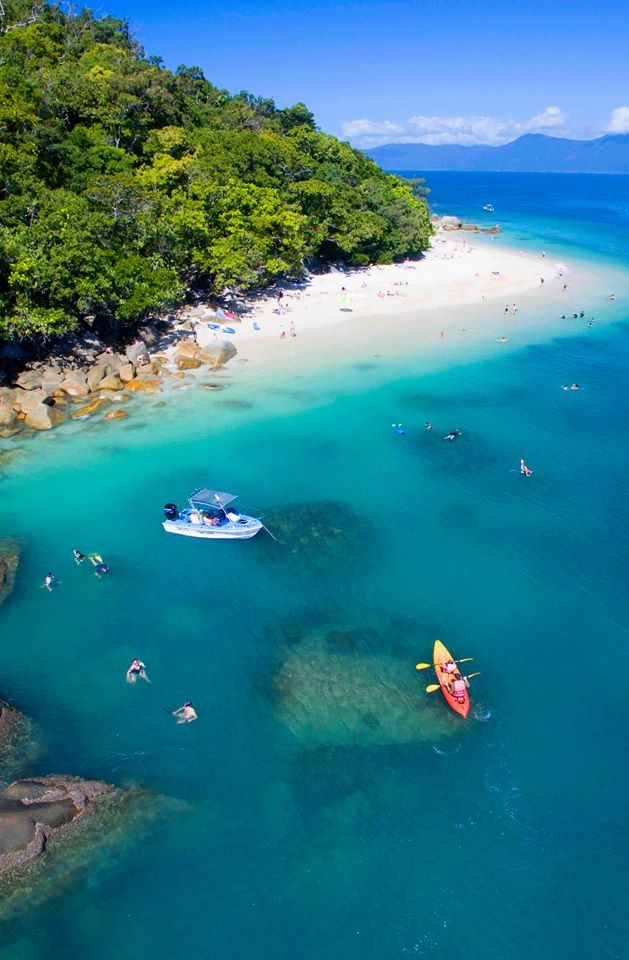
(532, 153)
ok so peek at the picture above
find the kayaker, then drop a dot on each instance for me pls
(458, 686)
(449, 667)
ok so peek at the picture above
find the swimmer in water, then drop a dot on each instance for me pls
(50, 581)
(78, 556)
(186, 713)
(398, 429)
(428, 425)
(100, 570)
(137, 669)
(570, 386)
(452, 435)
(524, 470)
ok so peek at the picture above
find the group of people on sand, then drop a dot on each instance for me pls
(183, 714)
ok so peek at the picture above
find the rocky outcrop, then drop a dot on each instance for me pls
(116, 414)
(18, 745)
(9, 562)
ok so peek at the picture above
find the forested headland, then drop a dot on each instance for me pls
(124, 185)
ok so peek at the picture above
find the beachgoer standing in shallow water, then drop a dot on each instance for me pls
(186, 713)
(137, 669)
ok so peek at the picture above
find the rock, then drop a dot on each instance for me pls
(26, 400)
(7, 413)
(30, 379)
(7, 455)
(116, 414)
(495, 229)
(39, 417)
(450, 223)
(89, 408)
(137, 351)
(112, 382)
(187, 363)
(75, 384)
(187, 348)
(470, 227)
(126, 372)
(9, 562)
(96, 374)
(219, 354)
(149, 334)
(18, 746)
(320, 536)
(139, 384)
(52, 377)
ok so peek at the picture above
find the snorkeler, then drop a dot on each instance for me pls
(524, 470)
(452, 435)
(428, 425)
(186, 713)
(101, 568)
(78, 556)
(398, 429)
(50, 581)
(137, 669)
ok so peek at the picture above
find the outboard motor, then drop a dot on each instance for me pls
(170, 511)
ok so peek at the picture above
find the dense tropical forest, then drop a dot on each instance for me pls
(124, 185)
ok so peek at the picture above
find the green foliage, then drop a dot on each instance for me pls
(119, 180)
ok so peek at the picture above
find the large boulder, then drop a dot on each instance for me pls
(143, 384)
(7, 411)
(218, 354)
(137, 352)
(75, 384)
(112, 382)
(126, 372)
(187, 349)
(43, 417)
(88, 409)
(95, 374)
(52, 377)
(450, 223)
(116, 414)
(26, 400)
(30, 379)
(187, 363)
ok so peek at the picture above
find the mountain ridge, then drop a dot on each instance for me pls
(531, 153)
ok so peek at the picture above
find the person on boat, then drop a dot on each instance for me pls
(100, 570)
(449, 667)
(186, 713)
(78, 556)
(524, 470)
(137, 669)
(50, 581)
(458, 686)
(452, 435)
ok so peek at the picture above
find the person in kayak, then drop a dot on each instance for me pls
(449, 667)
(458, 686)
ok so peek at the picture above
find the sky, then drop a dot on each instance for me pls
(431, 71)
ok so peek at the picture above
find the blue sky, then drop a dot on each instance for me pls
(434, 71)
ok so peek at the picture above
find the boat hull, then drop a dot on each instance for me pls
(243, 530)
(441, 655)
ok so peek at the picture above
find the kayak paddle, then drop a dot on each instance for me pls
(436, 686)
(425, 666)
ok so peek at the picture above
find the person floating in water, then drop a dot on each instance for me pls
(452, 435)
(570, 386)
(428, 425)
(50, 581)
(186, 713)
(137, 669)
(78, 556)
(100, 570)
(95, 558)
(398, 429)
(524, 470)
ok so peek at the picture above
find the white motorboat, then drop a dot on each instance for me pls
(489, 208)
(209, 518)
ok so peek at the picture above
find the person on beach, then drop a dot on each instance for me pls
(186, 713)
(78, 556)
(524, 470)
(50, 581)
(291, 329)
(137, 669)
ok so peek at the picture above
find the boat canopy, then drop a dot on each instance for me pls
(211, 498)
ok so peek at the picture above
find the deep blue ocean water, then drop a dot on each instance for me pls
(316, 823)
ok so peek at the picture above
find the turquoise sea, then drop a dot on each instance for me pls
(314, 822)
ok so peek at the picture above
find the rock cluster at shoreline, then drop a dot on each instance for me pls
(99, 381)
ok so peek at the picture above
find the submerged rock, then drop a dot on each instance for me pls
(336, 693)
(9, 561)
(52, 828)
(18, 746)
(116, 414)
(320, 534)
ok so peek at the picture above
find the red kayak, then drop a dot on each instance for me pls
(460, 704)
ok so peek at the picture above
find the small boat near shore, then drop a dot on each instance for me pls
(440, 656)
(208, 518)
(489, 207)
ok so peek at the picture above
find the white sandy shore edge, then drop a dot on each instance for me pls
(455, 271)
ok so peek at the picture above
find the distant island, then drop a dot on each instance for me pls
(532, 153)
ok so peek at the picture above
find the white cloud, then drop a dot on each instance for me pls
(619, 121)
(463, 130)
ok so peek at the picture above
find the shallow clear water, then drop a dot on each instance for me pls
(301, 838)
